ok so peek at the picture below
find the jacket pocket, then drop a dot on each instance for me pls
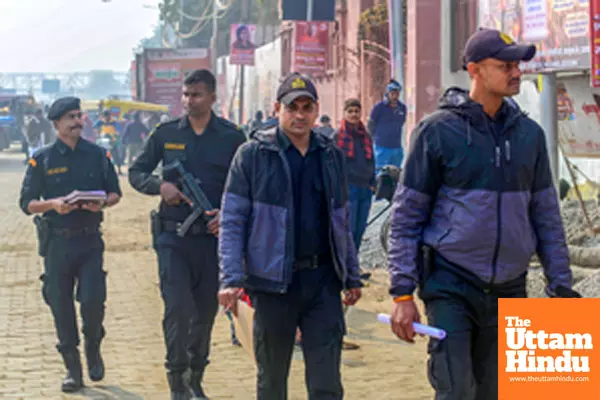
(447, 230)
(266, 249)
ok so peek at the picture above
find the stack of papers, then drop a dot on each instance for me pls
(77, 197)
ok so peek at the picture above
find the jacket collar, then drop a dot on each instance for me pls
(284, 142)
(184, 122)
(274, 139)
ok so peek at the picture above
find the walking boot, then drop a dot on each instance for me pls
(195, 386)
(94, 361)
(178, 390)
(74, 380)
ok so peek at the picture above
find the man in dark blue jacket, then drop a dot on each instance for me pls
(285, 239)
(476, 200)
(385, 125)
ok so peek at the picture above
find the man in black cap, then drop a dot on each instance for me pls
(69, 235)
(285, 239)
(188, 264)
(477, 192)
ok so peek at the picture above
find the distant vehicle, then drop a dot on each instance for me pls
(14, 110)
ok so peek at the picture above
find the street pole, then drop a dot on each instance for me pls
(362, 77)
(245, 13)
(396, 13)
(309, 10)
(549, 119)
(181, 19)
(213, 39)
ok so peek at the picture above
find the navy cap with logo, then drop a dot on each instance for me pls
(490, 43)
(62, 106)
(295, 86)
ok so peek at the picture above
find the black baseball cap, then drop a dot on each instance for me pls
(294, 86)
(491, 43)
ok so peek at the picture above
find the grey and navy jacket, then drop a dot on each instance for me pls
(480, 193)
(256, 241)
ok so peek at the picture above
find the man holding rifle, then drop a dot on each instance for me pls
(195, 150)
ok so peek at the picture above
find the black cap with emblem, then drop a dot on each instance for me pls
(62, 106)
(490, 43)
(295, 86)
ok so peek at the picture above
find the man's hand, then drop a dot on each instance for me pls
(403, 316)
(60, 206)
(215, 223)
(351, 296)
(228, 298)
(172, 195)
(93, 206)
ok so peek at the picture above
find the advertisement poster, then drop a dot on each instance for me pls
(559, 29)
(165, 70)
(242, 44)
(595, 42)
(579, 118)
(311, 47)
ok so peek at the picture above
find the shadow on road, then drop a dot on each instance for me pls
(107, 393)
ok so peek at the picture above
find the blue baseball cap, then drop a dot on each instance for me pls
(491, 43)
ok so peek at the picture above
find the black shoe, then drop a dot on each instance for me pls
(178, 389)
(94, 362)
(70, 384)
(365, 276)
(195, 386)
(74, 380)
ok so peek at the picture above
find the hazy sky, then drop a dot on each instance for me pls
(72, 35)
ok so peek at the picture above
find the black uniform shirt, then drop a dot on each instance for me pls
(207, 157)
(311, 227)
(57, 170)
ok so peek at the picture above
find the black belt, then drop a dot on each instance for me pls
(76, 232)
(312, 262)
(172, 226)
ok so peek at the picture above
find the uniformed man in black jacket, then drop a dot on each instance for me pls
(188, 266)
(70, 239)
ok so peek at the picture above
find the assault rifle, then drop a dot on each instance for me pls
(192, 190)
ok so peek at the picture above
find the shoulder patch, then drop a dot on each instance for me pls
(229, 124)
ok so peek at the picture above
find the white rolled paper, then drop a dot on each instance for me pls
(419, 328)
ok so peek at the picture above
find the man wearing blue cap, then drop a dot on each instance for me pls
(475, 201)
(69, 235)
(385, 126)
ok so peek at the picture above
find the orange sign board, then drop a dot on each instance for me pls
(546, 349)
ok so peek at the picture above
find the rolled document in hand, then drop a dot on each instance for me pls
(419, 328)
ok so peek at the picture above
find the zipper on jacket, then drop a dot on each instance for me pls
(500, 181)
(500, 175)
(289, 244)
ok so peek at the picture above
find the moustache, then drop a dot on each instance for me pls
(515, 81)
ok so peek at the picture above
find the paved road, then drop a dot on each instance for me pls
(31, 368)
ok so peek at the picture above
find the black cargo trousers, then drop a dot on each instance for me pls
(188, 270)
(75, 262)
(464, 366)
